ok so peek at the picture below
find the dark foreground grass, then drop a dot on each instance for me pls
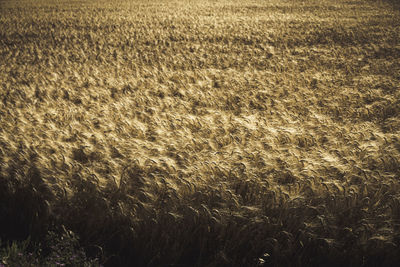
(194, 230)
(217, 133)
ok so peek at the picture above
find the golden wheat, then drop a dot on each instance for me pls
(209, 133)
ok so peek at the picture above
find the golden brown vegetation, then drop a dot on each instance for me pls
(208, 133)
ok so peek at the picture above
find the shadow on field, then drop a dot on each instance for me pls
(137, 223)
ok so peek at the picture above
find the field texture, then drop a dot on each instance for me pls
(202, 133)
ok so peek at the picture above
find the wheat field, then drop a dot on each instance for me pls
(202, 133)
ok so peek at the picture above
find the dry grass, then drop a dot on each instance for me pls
(209, 133)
